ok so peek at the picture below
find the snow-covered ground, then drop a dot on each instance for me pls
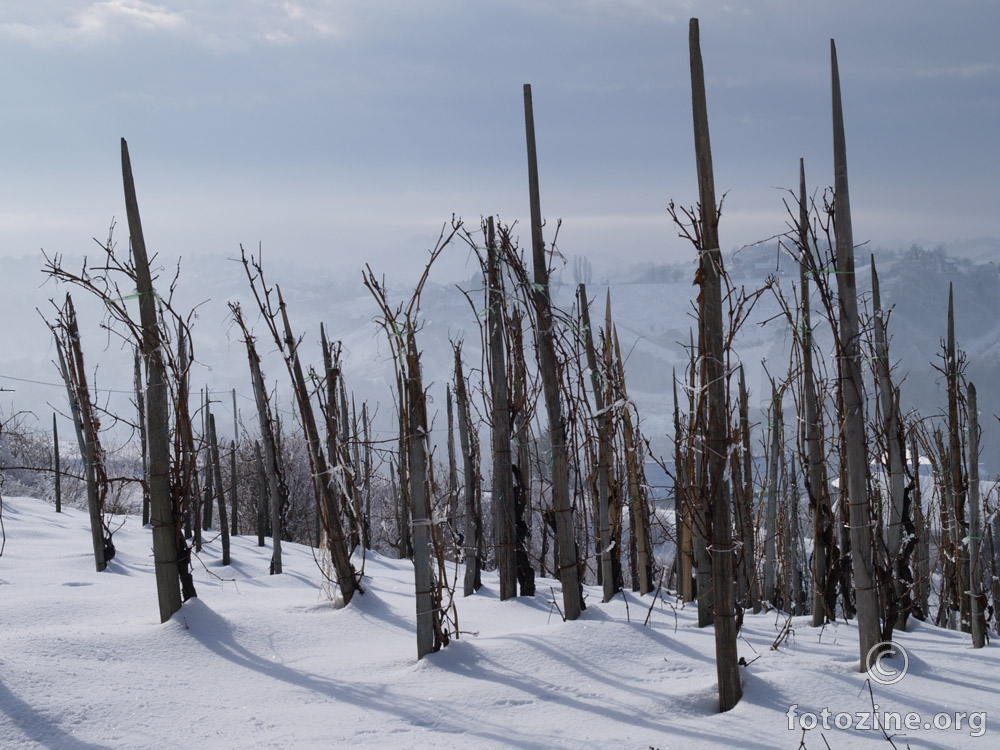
(267, 661)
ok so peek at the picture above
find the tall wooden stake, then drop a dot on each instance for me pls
(213, 447)
(140, 405)
(745, 516)
(717, 432)
(957, 488)
(473, 523)
(504, 532)
(851, 384)
(633, 464)
(73, 372)
(163, 515)
(427, 604)
(776, 442)
(273, 489)
(336, 541)
(569, 572)
(975, 529)
(682, 508)
(232, 468)
(823, 603)
(56, 467)
(888, 400)
(603, 448)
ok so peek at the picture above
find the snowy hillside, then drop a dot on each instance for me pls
(267, 662)
(652, 307)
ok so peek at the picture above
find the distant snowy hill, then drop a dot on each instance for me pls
(652, 307)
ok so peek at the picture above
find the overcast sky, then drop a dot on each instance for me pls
(351, 130)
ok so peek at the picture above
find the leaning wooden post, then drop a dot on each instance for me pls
(473, 523)
(232, 468)
(427, 600)
(851, 385)
(682, 508)
(745, 517)
(140, 405)
(958, 492)
(208, 503)
(889, 400)
(993, 533)
(336, 541)
(975, 529)
(717, 431)
(569, 572)
(367, 463)
(633, 462)
(55, 464)
(504, 529)
(261, 495)
(272, 494)
(80, 406)
(452, 459)
(163, 515)
(216, 468)
(776, 443)
(603, 448)
(331, 414)
(823, 601)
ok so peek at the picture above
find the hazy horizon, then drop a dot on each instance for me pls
(352, 132)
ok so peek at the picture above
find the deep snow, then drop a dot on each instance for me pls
(261, 661)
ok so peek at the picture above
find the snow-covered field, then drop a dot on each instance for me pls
(267, 661)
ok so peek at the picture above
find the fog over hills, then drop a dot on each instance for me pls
(652, 307)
